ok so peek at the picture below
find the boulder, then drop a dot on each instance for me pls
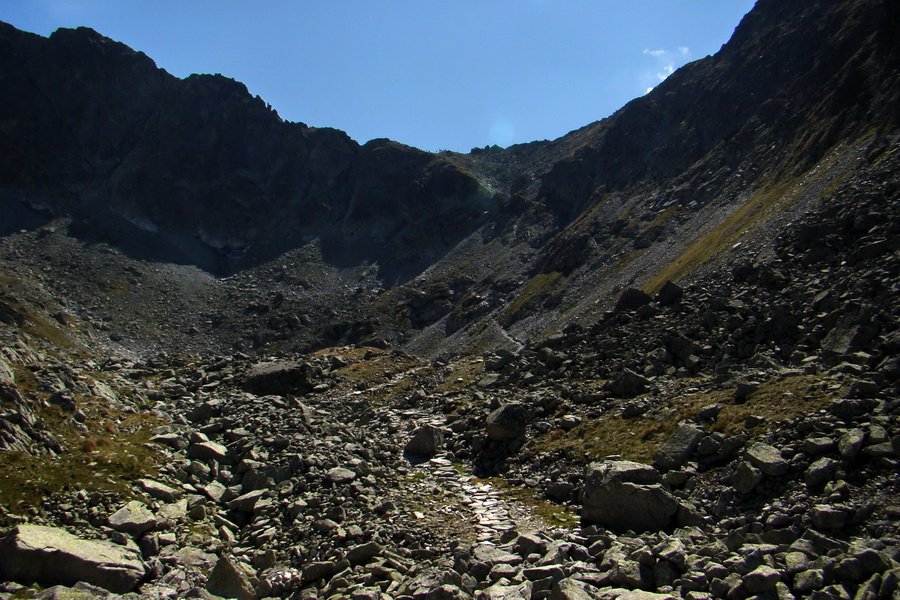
(133, 519)
(632, 299)
(507, 423)
(426, 441)
(627, 385)
(499, 591)
(571, 589)
(279, 378)
(51, 556)
(669, 293)
(213, 451)
(676, 450)
(820, 472)
(624, 495)
(231, 579)
(767, 459)
(745, 477)
(158, 490)
(340, 475)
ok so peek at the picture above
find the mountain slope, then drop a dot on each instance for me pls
(446, 252)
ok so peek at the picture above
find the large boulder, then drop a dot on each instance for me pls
(507, 423)
(627, 385)
(676, 450)
(632, 299)
(623, 495)
(133, 519)
(279, 378)
(426, 441)
(767, 459)
(231, 579)
(51, 556)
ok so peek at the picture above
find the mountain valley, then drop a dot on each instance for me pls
(656, 358)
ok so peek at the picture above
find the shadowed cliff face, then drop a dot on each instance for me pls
(454, 252)
(199, 170)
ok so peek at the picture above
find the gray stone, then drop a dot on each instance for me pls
(187, 556)
(631, 299)
(676, 450)
(624, 495)
(340, 476)
(209, 451)
(851, 443)
(794, 562)
(493, 555)
(280, 378)
(507, 423)
(529, 543)
(61, 592)
(621, 594)
(882, 450)
(246, 502)
(158, 490)
(808, 581)
(745, 477)
(819, 445)
(571, 589)
(669, 293)
(767, 459)
(426, 441)
(762, 579)
(51, 556)
(627, 385)
(820, 472)
(231, 579)
(214, 491)
(828, 517)
(506, 592)
(364, 553)
(172, 440)
(133, 519)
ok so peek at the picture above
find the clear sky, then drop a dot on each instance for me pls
(448, 75)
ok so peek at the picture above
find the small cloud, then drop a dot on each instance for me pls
(667, 62)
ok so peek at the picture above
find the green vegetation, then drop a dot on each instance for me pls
(379, 373)
(463, 376)
(41, 328)
(758, 209)
(537, 288)
(637, 439)
(554, 515)
(117, 287)
(110, 458)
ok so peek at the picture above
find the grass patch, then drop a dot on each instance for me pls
(536, 288)
(554, 515)
(43, 329)
(109, 458)
(775, 401)
(117, 287)
(463, 376)
(380, 374)
(759, 208)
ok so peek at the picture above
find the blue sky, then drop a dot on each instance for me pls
(437, 75)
